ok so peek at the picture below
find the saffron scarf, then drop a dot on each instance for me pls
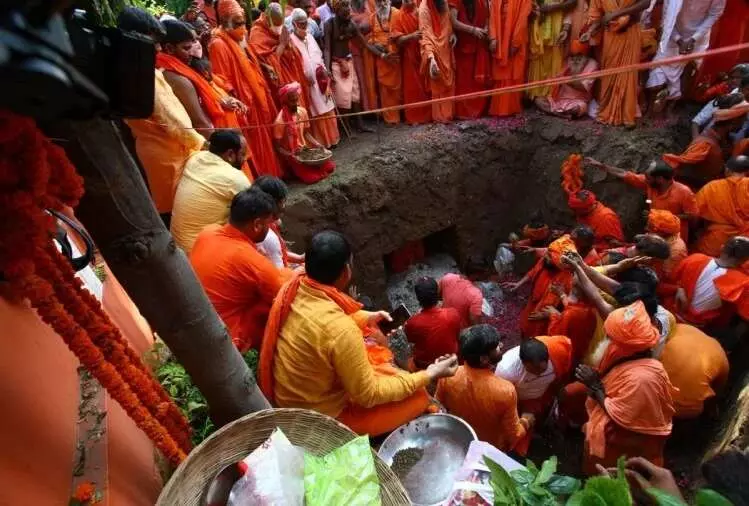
(209, 97)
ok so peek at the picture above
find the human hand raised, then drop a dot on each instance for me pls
(444, 367)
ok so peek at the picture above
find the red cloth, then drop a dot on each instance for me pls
(433, 332)
(240, 282)
(729, 30)
(309, 174)
(461, 294)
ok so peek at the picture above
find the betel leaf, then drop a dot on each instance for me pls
(614, 492)
(502, 482)
(586, 498)
(548, 468)
(563, 485)
(522, 476)
(664, 498)
(708, 497)
(531, 467)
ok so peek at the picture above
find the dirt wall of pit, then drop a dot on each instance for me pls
(484, 178)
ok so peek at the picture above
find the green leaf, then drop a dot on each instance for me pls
(663, 498)
(522, 476)
(548, 468)
(613, 492)
(586, 498)
(708, 497)
(531, 499)
(532, 468)
(502, 481)
(563, 485)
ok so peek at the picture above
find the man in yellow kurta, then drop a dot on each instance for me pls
(314, 355)
(165, 140)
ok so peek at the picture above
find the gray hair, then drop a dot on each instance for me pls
(298, 15)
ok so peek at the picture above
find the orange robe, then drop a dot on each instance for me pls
(414, 90)
(724, 204)
(578, 322)
(617, 99)
(289, 67)
(388, 74)
(365, 60)
(678, 199)
(472, 61)
(700, 163)
(666, 271)
(541, 296)
(508, 25)
(741, 148)
(605, 224)
(637, 419)
(487, 402)
(436, 31)
(246, 77)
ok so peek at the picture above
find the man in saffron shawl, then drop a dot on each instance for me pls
(571, 99)
(667, 225)
(723, 204)
(230, 59)
(291, 134)
(508, 35)
(406, 25)
(712, 290)
(547, 38)
(619, 21)
(388, 65)
(604, 221)
(271, 42)
(437, 58)
(314, 356)
(630, 409)
(547, 272)
(322, 106)
(470, 20)
(704, 158)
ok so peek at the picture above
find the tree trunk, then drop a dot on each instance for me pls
(119, 214)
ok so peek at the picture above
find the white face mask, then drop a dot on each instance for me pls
(196, 50)
(277, 29)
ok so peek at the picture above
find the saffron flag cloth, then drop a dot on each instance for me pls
(724, 205)
(415, 90)
(436, 32)
(508, 25)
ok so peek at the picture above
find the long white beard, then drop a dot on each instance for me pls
(599, 352)
(383, 12)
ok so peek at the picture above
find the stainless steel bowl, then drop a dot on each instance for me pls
(445, 440)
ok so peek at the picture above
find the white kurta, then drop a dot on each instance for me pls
(683, 19)
(312, 58)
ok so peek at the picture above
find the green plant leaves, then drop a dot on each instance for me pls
(563, 485)
(548, 468)
(663, 498)
(708, 497)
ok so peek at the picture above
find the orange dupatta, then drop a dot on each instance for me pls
(209, 97)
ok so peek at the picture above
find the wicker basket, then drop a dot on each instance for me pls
(316, 433)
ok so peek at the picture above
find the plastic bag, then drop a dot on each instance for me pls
(344, 477)
(472, 482)
(504, 260)
(274, 475)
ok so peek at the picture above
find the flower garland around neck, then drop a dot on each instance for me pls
(36, 175)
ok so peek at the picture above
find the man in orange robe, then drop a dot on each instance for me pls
(406, 24)
(388, 65)
(630, 409)
(240, 282)
(578, 321)
(271, 43)
(231, 61)
(364, 59)
(314, 355)
(667, 225)
(487, 402)
(508, 35)
(712, 290)
(437, 58)
(470, 19)
(548, 272)
(660, 189)
(604, 221)
(621, 44)
(724, 205)
(703, 159)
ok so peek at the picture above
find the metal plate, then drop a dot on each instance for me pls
(445, 440)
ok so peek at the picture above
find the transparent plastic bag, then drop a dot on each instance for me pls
(274, 475)
(472, 485)
(504, 260)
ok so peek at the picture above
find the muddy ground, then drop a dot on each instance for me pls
(475, 182)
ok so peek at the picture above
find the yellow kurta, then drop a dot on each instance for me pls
(321, 362)
(546, 57)
(163, 142)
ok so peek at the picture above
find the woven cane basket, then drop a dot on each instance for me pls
(316, 433)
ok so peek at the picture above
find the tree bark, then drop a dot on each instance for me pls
(120, 216)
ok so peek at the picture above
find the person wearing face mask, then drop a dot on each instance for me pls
(660, 189)
(280, 59)
(209, 182)
(239, 281)
(324, 125)
(230, 58)
(487, 402)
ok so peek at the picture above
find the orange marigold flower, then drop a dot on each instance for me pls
(84, 492)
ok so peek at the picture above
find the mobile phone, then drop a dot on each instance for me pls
(400, 315)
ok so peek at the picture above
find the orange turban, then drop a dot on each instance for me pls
(630, 331)
(737, 111)
(663, 222)
(579, 48)
(229, 9)
(582, 202)
(536, 234)
(558, 248)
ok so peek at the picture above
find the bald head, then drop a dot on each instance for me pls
(735, 251)
(738, 165)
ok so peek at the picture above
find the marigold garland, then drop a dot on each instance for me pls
(36, 175)
(572, 174)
